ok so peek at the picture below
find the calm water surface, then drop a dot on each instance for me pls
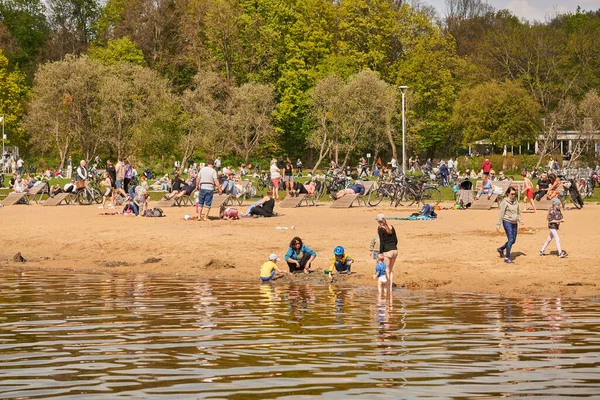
(87, 336)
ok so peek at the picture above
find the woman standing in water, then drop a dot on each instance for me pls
(388, 246)
(509, 217)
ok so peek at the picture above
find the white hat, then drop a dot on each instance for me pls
(273, 257)
(380, 217)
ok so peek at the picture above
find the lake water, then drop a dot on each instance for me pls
(95, 336)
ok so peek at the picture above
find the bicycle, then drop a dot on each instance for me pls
(89, 194)
(421, 193)
(385, 189)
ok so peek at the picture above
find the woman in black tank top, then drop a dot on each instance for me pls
(288, 178)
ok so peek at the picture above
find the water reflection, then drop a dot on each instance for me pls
(69, 335)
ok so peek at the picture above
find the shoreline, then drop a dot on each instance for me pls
(453, 254)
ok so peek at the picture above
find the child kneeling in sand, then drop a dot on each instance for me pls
(269, 269)
(229, 213)
(381, 273)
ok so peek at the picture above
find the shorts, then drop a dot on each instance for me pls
(275, 182)
(108, 193)
(268, 278)
(382, 279)
(205, 197)
(288, 178)
(529, 193)
(119, 183)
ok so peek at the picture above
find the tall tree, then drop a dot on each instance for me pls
(504, 113)
(13, 97)
(73, 24)
(251, 109)
(63, 114)
(25, 22)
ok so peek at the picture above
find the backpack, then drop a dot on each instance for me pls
(128, 209)
(157, 212)
(428, 211)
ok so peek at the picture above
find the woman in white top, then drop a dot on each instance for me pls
(275, 175)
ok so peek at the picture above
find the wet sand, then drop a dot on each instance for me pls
(455, 253)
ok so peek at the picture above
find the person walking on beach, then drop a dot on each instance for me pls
(388, 246)
(528, 188)
(486, 167)
(205, 184)
(275, 175)
(69, 168)
(509, 217)
(555, 217)
(288, 177)
(81, 175)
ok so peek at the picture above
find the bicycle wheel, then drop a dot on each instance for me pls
(400, 196)
(97, 195)
(411, 197)
(83, 198)
(576, 200)
(431, 195)
(260, 185)
(376, 196)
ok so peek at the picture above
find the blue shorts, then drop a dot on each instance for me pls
(119, 183)
(205, 197)
(268, 278)
(345, 267)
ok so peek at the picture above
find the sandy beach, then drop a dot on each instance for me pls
(455, 253)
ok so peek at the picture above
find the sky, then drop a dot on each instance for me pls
(538, 10)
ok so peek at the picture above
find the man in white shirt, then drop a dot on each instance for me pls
(394, 165)
(451, 164)
(206, 183)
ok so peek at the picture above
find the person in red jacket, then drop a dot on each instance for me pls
(486, 166)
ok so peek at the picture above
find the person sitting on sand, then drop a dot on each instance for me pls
(269, 269)
(299, 256)
(356, 188)
(264, 207)
(486, 187)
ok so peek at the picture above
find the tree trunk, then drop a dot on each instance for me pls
(388, 132)
(322, 153)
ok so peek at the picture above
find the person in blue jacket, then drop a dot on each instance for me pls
(299, 256)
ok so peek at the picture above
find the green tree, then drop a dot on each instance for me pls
(134, 103)
(203, 116)
(25, 21)
(433, 72)
(505, 113)
(13, 98)
(251, 109)
(118, 50)
(63, 113)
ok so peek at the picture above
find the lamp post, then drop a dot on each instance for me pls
(403, 89)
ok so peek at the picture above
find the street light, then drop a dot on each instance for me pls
(403, 89)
